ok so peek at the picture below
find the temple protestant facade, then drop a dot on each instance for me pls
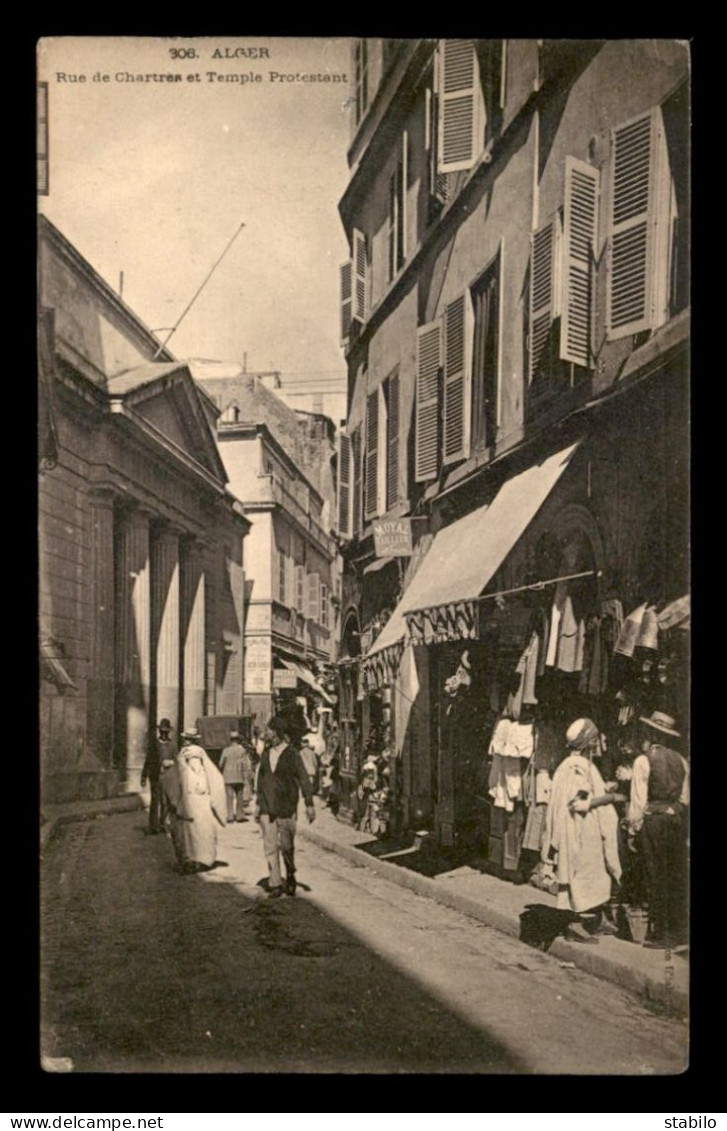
(141, 541)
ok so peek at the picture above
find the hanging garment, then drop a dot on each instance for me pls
(520, 741)
(580, 646)
(556, 613)
(534, 826)
(543, 631)
(498, 742)
(567, 653)
(529, 667)
(630, 631)
(543, 787)
(649, 632)
(505, 782)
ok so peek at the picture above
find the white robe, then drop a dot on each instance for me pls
(586, 844)
(195, 793)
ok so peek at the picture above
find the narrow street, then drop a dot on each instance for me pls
(148, 970)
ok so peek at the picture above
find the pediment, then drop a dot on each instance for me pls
(166, 397)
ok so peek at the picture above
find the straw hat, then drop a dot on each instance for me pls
(660, 721)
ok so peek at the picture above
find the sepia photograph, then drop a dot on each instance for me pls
(364, 555)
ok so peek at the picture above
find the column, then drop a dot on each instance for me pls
(165, 624)
(100, 702)
(133, 643)
(193, 634)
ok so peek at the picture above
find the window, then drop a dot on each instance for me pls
(562, 279)
(640, 227)
(42, 142)
(485, 368)
(390, 391)
(361, 77)
(324, 606)
(397, 211)
(354, 283)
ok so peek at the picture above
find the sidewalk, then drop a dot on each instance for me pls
(509, 908)
(53, 815)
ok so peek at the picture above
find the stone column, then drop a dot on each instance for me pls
(193, 634)
(165, 624)
(133, 644)
(100, 702)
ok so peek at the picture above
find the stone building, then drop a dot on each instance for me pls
(141, 541)
(515, 320)
(281, 464)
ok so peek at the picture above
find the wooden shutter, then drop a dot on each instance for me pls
(313, 613)
(457, 378)
(630, 246)
(580, 230)
(346, 299)
(372, 454)
(392, 440)
(544, 253)
(357, 480)
(344, 485)
(359, 275)
(324, 606)
(460, 106)
(300, 589)
(429, 364)
(401, 218)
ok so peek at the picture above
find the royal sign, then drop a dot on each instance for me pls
(392, 538)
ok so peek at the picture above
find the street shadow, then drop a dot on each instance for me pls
(206, 977)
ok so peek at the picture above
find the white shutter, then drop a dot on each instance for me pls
(580, 230)
(544, 271)
(457, 378)
(630, 291)
(359, 275)
(313, 580)
(344, 485)
(346, 299)
(429, 363)
(372, 454)
(460, 106)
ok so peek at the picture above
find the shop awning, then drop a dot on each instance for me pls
(379, 563)
(306, 675)
(464, 557)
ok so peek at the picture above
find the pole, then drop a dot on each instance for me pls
(198, 292)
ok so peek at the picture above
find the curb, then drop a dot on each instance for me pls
(586, 958)
(84, 811)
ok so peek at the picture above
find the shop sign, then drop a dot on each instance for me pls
(258, 663)
(284, 679)
(392, 538)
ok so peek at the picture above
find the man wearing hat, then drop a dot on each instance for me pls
(162, 749)
(281, 778)
(657, 813)
(236, 767)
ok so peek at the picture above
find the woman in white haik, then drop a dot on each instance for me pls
(581, 828)
(194, 790)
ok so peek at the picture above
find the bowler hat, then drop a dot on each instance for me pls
(659, 720)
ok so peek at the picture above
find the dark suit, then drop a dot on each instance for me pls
(278, 792)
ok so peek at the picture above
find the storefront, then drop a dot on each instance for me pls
(513, 626)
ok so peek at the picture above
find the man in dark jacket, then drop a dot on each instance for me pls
(281, 777)
(657, 818)
(161, 749)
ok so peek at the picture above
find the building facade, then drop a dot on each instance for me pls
(141, 580)
(281, 464)
(515, 318)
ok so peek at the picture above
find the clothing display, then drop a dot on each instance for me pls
(556, 615)
(566, 659)
(505, 782)
(630, 632)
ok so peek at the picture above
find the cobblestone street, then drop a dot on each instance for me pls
(149, 970)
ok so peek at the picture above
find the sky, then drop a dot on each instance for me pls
(153, 179)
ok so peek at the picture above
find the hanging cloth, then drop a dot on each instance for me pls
(556, 614)
(630, 632)
(567, 652)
